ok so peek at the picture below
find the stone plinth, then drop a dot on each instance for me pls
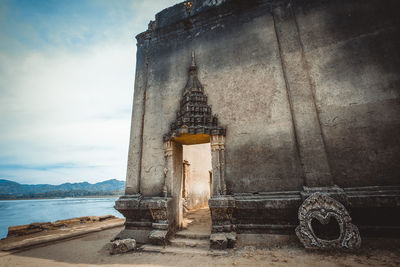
(147, 219)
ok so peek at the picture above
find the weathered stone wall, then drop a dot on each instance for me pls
(308, 91)
(353, 57)
(198, 179)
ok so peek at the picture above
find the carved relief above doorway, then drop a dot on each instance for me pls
(194, 122)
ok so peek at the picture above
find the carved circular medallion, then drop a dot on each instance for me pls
(323, 208)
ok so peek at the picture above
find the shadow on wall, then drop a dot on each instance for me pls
(352, 48)
(370, 31)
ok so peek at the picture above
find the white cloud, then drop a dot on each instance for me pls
(66, 98)
(67, 108)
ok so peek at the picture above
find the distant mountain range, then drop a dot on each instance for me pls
(14, 190)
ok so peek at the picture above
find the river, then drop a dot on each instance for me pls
(20, 212)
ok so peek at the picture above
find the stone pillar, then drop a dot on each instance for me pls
(138, 219)
(318, 181)
(307, 128)
(215, 166)
(162, 225)
(133, 174)
(223, 234)
(173, 179)
(217, 143)
(221, 205)
(169, 166)
(222, 164)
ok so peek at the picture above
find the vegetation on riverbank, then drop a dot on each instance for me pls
(11, 190)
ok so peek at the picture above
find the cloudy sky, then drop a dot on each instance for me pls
(66, 86)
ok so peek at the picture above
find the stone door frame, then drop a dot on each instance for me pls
(173, 171)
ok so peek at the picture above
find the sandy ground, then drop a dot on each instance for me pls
(90, 250)
(72, 230)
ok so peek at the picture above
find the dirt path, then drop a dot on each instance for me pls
(198, 221)
(89, 250)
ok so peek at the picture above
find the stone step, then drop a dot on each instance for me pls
(192, 235)
(191, 243)
(184, 250)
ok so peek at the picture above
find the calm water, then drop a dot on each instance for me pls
(19, 212)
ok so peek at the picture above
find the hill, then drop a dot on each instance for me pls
(14, 190)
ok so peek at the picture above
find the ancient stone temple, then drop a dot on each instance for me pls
(281, 117)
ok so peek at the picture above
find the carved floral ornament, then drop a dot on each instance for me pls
(159, 214)
(323, 208)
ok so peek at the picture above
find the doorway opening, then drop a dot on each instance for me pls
(196, 187)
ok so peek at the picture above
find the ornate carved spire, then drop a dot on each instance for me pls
(193, 60)
(193, 84)
(194, 116)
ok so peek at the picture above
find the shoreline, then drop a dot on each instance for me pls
(30, 235)
(53, 209)
(99, 196)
